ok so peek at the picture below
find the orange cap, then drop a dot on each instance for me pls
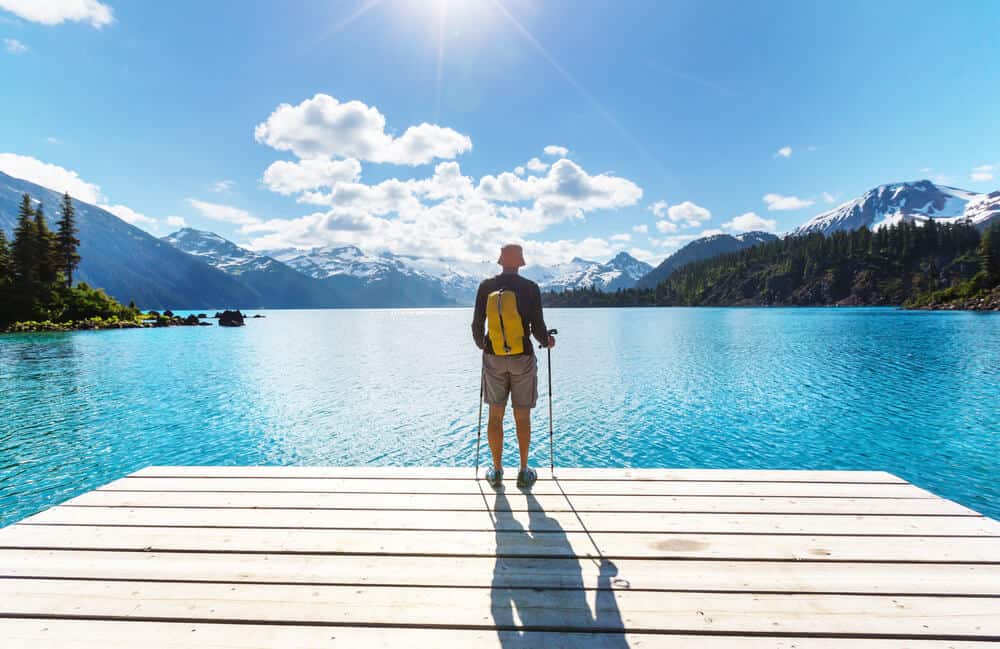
(511, 256)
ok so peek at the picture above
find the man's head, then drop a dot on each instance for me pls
(511, 257)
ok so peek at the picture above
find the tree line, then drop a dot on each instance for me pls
(36, 271)
(906, 263)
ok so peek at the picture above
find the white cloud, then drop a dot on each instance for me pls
(750, 221)
(666, 227)
(14, 46)
(536, 165)
(48, 175)
(325, 127)
(519, 170)
(220, 186)
(647, 256)
(779, 202)
(287, 177)
(224, 213)
(829, 198)
(556, 151)
(640, 229)
(451, 217)
(982, 173)
(784, 152)
(54, 12)
(688, 214)
(659, 209)
(176, 221)
(624, 236)
(129, 215)
(53, 140)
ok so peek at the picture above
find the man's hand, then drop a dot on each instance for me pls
(552, 342)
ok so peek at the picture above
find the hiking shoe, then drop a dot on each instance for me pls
(494, 476)
(526, 478)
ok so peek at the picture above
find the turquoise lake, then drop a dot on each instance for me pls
(913, 393)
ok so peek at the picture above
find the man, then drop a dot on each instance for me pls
(511, 306)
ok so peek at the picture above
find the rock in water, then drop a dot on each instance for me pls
(231, 319)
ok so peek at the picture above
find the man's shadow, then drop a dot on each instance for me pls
(538, 583)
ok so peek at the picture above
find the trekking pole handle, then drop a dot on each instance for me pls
(550, 332)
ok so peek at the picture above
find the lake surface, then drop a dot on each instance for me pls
(913, 393)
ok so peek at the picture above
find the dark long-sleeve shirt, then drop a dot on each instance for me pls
(529, 306)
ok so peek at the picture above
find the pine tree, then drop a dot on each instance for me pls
(45, 250)
(23, 253)
(989, 254)
(6, 267)
(67, 257)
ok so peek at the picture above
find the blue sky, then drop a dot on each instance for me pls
(672, 115)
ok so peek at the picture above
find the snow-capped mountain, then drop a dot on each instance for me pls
(703, 248)
(343, 260)
(218, 252)
(912, 202)
(387, 277)
(623, 271)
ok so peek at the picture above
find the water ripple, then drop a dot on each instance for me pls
(916, 394)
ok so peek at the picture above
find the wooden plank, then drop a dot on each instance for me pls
(541, 609)
(101, 634)
(486, 520)
(517, 501)
(739, 576)
(543, 486)
(400, 472)
(612, 545)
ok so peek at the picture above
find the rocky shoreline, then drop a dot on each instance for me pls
(984, 302)
(150, 320)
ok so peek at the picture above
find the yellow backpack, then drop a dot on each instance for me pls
(503, 322)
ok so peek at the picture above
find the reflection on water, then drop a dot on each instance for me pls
(912, 393)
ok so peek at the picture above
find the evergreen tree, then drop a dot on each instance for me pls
(6, 266)
(24, 246)
(989, 254)
(67, 257)
(45, 250)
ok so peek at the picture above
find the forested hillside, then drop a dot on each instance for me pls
(910, 264)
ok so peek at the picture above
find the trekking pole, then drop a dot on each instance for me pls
(552, 461)
(479, 428)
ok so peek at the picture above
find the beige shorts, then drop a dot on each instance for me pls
(516, 376)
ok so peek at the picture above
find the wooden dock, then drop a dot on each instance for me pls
(366, 557)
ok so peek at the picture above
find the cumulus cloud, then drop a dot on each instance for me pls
(640, 229)
(54, 12)
(287, 177)
(129, 215)
(666, 227)
(536, 165)
(688, 214)
(659, 209)
(176, 222)
(220, 186)
(224, 213)
(14, 46)
(982, 173)
(566, 191)
(48, 175)
(519, 170)
(556, 151)
(779, 202)
(783, 152)
(325, 127)
(452, 217)
(750, 221)
(624, 237)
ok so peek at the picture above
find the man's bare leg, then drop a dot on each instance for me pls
(522, 420)
(494, 434)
